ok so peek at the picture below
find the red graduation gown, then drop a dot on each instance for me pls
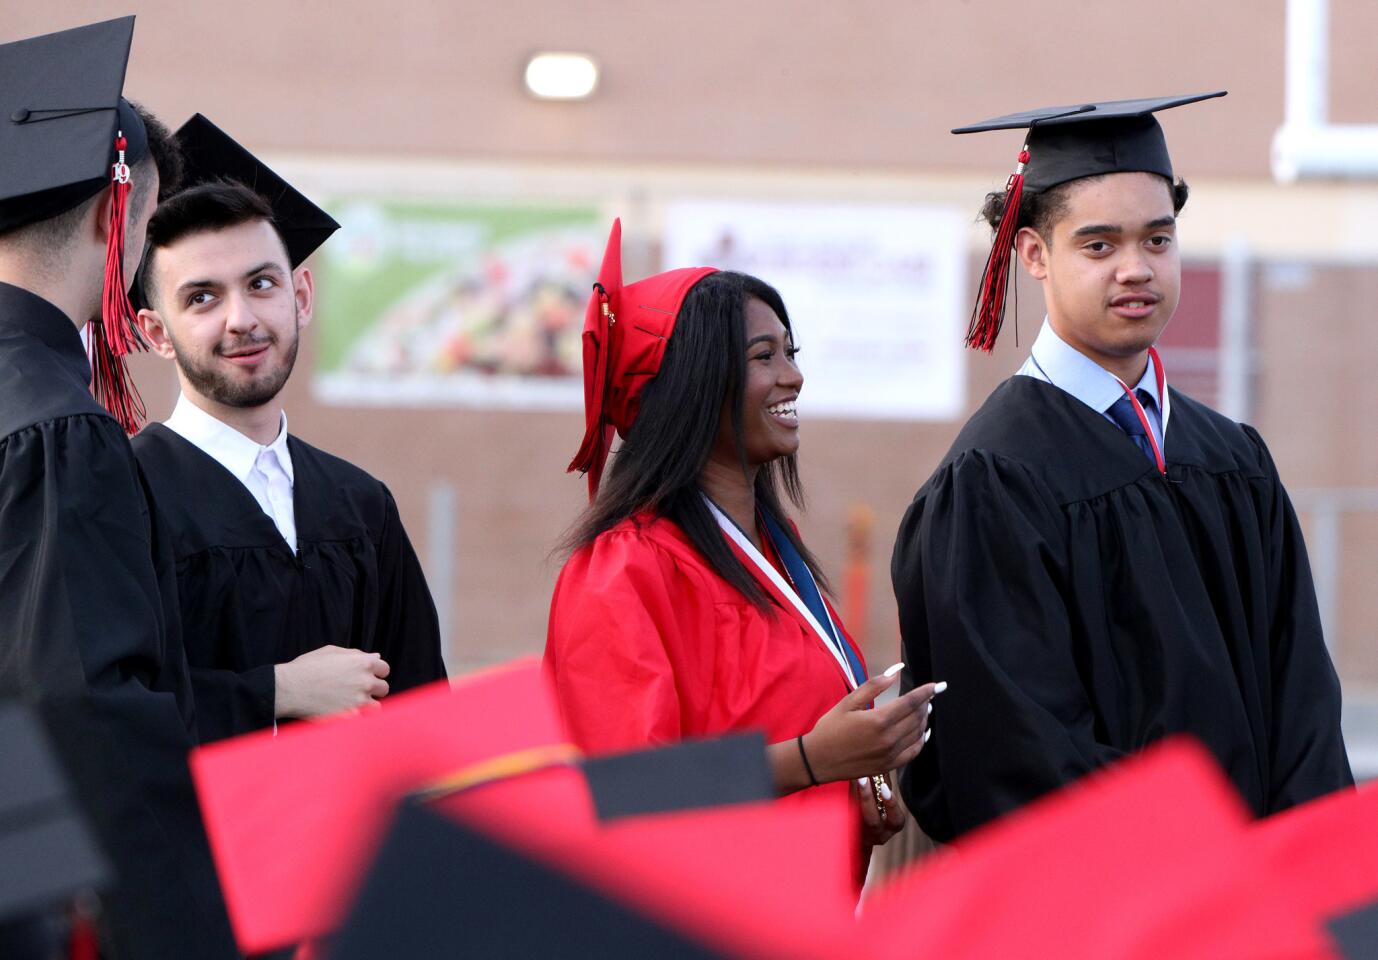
(648, 645)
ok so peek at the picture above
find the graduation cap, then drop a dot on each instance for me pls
(682, 776)
(440, 886)
(1063, 144)
(210, 154)
(1141, 859)
(1356, 933)
(47, 851)
(294, 819)
(66, 134)
(625, 331)
(744, 880)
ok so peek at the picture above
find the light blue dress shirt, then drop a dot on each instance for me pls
(1053, 361)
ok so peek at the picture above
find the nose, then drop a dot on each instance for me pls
(1134, 267)
(239, 317)
(791, 377)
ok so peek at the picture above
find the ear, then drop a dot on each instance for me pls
(1032, 251)
(304, 290)
(154, 328)
(97, 227)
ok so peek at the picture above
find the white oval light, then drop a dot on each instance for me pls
(561, 76)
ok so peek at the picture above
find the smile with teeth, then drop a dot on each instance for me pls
(784, 410)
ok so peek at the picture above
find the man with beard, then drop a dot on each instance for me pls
(301, 595)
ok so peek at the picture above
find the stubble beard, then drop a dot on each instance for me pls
(220, 389)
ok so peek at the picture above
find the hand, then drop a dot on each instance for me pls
(875, 829)
(850, 741)
(329, 680)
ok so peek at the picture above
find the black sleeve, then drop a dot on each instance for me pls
(408, 628)
(1308, 753)
(229, 703)
(84, 638)
(979, 572)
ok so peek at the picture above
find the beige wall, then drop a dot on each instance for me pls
(786, 99)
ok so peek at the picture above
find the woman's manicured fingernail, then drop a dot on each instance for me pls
(939, 687)
(893, 670)
(930, 708)
(926, 735)
(863, 782)
(885, 793)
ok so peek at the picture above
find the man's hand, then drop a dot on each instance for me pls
(329, 680)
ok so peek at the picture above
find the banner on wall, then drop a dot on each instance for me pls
(876, 295)
(427, 304)
(445, 304)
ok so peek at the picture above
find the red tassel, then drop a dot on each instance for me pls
(115, 334)
(989, 314)
(82, 941)
(597, 443)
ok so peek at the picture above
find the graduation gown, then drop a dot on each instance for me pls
(1082, 606)
(248, 602)
(647, 645)
(88, 637)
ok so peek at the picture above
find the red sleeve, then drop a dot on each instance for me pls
(612, 619)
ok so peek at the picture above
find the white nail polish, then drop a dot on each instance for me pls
(926, 735)
(885, 793)
(939, 688)
(893, 670)
(930, 708)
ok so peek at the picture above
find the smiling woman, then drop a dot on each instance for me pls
(689, 606)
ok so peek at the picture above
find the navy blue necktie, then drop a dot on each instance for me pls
(1122, 412)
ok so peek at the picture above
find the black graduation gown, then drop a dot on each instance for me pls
(89, 639)
(1083, 606)
(249, 603)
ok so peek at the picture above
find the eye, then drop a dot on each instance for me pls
(765, 356)
(1097, 246)
(200, 298)
(262, 282)
(1161, 240)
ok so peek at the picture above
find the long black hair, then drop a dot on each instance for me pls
(658, 466)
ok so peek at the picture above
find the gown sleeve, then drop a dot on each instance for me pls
(408, 625)
(980, 577)
(1308, 753)
(230, 702)
(613, 618)
(84, 639)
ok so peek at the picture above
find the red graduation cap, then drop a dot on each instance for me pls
(294, 819)
(1323, 853)
(1143, 859)
(625, 330)
(765, 880)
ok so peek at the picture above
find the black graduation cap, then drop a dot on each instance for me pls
(60, 112)
(1063, 144)
(684, 776)
(47, 851)
(211, 154)
(1356, 933)
(441, 888)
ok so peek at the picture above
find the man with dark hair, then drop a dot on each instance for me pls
(300, 593)
(1086, 580)
(88, 633)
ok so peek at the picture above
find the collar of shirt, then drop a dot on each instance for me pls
(1054, 361)
(223, 443)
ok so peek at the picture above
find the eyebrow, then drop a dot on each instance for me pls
(1097, 229)
(266, 266)
(763, 338)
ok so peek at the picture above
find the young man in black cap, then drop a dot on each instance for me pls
(1087, 579)
(87, 634)
(300, 592)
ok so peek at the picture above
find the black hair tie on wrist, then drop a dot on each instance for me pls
(813, 781)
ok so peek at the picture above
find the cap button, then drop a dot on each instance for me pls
(20, 115)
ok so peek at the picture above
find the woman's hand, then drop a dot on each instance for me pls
(877, 825)
(850, 741)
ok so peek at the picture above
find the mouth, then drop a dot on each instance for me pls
(246, 356)
(785, 413)
(1134, 306)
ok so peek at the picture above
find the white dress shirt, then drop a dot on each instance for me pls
(266, 471)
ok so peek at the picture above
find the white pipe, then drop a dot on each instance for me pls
(1236, 346)
(1306, 146)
